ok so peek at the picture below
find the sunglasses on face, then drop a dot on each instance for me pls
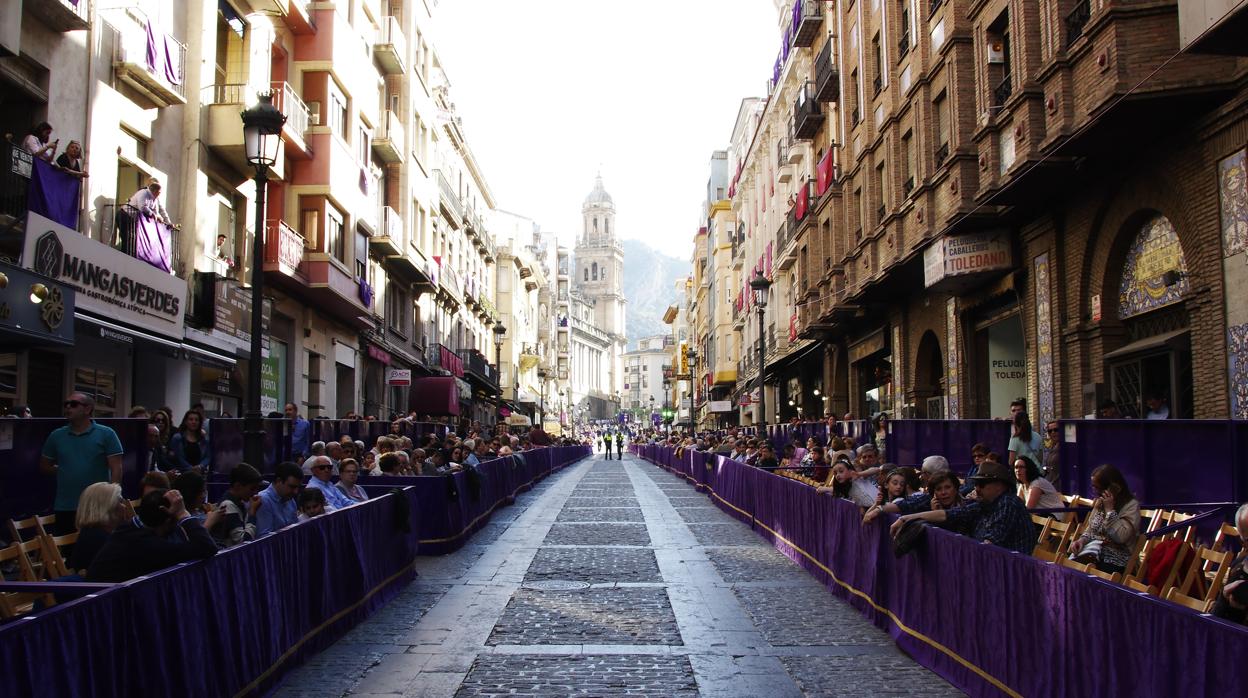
(73, 403)
(1051, 431)
(320, 467)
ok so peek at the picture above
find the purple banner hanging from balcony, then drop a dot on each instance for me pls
(53, 194)
(153, 242)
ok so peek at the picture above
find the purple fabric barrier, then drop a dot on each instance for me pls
(225, 438)
(25, 491)
(1036, 629)
(1207, 456)
(153, 242)
(218, 627)
(912, 440)
(53, 194)
(450, 508)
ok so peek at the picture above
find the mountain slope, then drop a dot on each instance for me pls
(649, 285)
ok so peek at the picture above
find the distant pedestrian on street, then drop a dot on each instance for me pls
(79, 454)
(301, 432)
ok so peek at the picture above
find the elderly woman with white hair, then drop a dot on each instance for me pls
(101, 508)
(1232, 603)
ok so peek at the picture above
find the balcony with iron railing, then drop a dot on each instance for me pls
(477, 366)
(445, 358)
(1076, 20)
(807, 22)
(62, 15)
(223, 129)
(827, 75)
(141, 236)
(807, 114)
(388, 141)
(903, 45)
(1001, 92)
(390, 49)
(283, 248)
(449, 198)
(298, 117)
(150, 62)
(391, 238)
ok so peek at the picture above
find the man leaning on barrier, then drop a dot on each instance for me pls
(996, 516)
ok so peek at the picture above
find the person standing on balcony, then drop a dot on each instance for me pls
(147, 202)
(37, 144)
(70, 161)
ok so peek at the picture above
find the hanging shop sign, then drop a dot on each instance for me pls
(399, 377)
(969, 255)
(108, 282)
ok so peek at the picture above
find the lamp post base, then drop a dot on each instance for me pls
(253, 440)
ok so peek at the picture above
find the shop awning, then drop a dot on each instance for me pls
(793, 357)
(435, 395)
(197, 351)
(1166, 340)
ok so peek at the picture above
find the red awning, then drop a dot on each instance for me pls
(436, 395)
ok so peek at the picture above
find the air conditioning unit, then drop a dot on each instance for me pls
(996, 51)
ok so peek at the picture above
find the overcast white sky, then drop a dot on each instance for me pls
(551, 90)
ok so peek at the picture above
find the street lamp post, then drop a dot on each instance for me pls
(499, 333)
(541, 377)
(262, 128)
(761, 285)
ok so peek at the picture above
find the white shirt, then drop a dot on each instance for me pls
(149, 204)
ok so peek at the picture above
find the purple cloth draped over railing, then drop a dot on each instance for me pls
(212, 628)
(151, 46)
(912, 440)
(172, 74)
(223, 627)
(53, 194)
(991, 621)
(153, 242)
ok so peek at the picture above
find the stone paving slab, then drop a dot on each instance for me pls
(722, 534)
(597, 534)
(868, 675)
(602, 514)
(807, 616)
(703, 514)
(757, 564)
(605, 616)
(595, 565)
(580, 675)
(592, 502)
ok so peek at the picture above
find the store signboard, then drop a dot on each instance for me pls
(955, 256)
(108, 282)
(399, 377)
(721, 405)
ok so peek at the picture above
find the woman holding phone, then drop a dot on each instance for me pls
(1113, 524)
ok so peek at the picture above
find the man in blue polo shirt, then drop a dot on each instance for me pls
(79, 454)
(278, 508)
(300, 432)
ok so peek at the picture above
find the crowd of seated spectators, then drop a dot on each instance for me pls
(1001, 501)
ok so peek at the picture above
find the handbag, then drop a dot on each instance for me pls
(911, 537)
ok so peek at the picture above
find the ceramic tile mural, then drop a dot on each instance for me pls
(1233, 192)
(1046, 398)
(952, 409)
(1237, 349)
(899, 373)
(1154, 253)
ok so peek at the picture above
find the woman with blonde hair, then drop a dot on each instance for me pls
(101, 508)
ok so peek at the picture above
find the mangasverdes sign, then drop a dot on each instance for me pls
(109, 282)
(962, 255)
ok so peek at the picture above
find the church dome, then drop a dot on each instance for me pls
(599, 196)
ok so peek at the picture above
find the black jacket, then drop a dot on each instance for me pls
(134, 550)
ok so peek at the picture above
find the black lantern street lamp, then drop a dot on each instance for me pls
(262, 129)
(761, 286)
(541, 378)
(499, 333)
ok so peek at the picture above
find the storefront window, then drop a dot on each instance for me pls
(8, 381)
(100, 385)
(876, 378)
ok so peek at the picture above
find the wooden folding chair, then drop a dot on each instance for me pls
(12, 604)
(1226, 537)
(54, 554)
(1136, 581)
(1054, 538)
(1169, 518)
(32, 529)
(1203, 602)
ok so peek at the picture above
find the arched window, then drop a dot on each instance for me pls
(595, 271)
(595, 225)
(587, 273)
(1155, 271)
(606, 226)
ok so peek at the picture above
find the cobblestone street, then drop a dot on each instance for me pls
(613, 578)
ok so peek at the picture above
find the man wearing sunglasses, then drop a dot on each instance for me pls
(79, 454)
